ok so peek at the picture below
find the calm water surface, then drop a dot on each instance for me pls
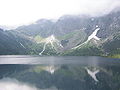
(22, 59)
(59, 73)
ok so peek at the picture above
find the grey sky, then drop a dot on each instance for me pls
(18, 12)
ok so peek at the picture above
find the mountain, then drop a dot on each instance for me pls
(112, 45)
(91, 35)
(109, 24)
(50, 42)
(12, 43)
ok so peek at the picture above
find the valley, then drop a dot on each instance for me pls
(69, 35)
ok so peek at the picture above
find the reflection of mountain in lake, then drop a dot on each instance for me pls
(65, 77)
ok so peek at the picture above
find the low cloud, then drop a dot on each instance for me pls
(98, 7)
(12, 14)
(13, 84)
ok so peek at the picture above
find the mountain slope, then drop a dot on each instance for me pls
(90, 48)
(109, 24)
(11, 44)
(112, 44)
(87, 35)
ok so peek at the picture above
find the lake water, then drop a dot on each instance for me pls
(59, 73)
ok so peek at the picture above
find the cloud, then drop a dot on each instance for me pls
(13, 84)
(97, 7)
(17, 12)
(102, 7)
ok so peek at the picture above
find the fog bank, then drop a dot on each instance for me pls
(18, 12)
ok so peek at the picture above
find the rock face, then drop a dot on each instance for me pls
(109, 24)
(12, 43)
(83, 33)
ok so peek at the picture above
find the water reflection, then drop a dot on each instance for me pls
(13, 84)
(62, 76)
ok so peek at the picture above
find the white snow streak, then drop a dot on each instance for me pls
(43, 49)
(51, 39)
(22, 45)
(93, 35)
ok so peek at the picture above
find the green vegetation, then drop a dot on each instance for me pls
(68, 36)
(38, 38)
(87, 49)
(70, 32)
(115, 56)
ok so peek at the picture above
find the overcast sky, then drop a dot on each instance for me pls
(18, 12)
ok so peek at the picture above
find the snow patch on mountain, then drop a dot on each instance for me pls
(22, 45)
(50, 40)
(93, 35)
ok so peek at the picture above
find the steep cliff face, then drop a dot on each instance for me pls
(109, 24)
(12, 44)
(94, 34)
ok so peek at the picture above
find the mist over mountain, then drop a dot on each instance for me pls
(71, 31)
(68, 23)
(34, 10)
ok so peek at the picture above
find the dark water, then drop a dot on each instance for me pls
(59, 73)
